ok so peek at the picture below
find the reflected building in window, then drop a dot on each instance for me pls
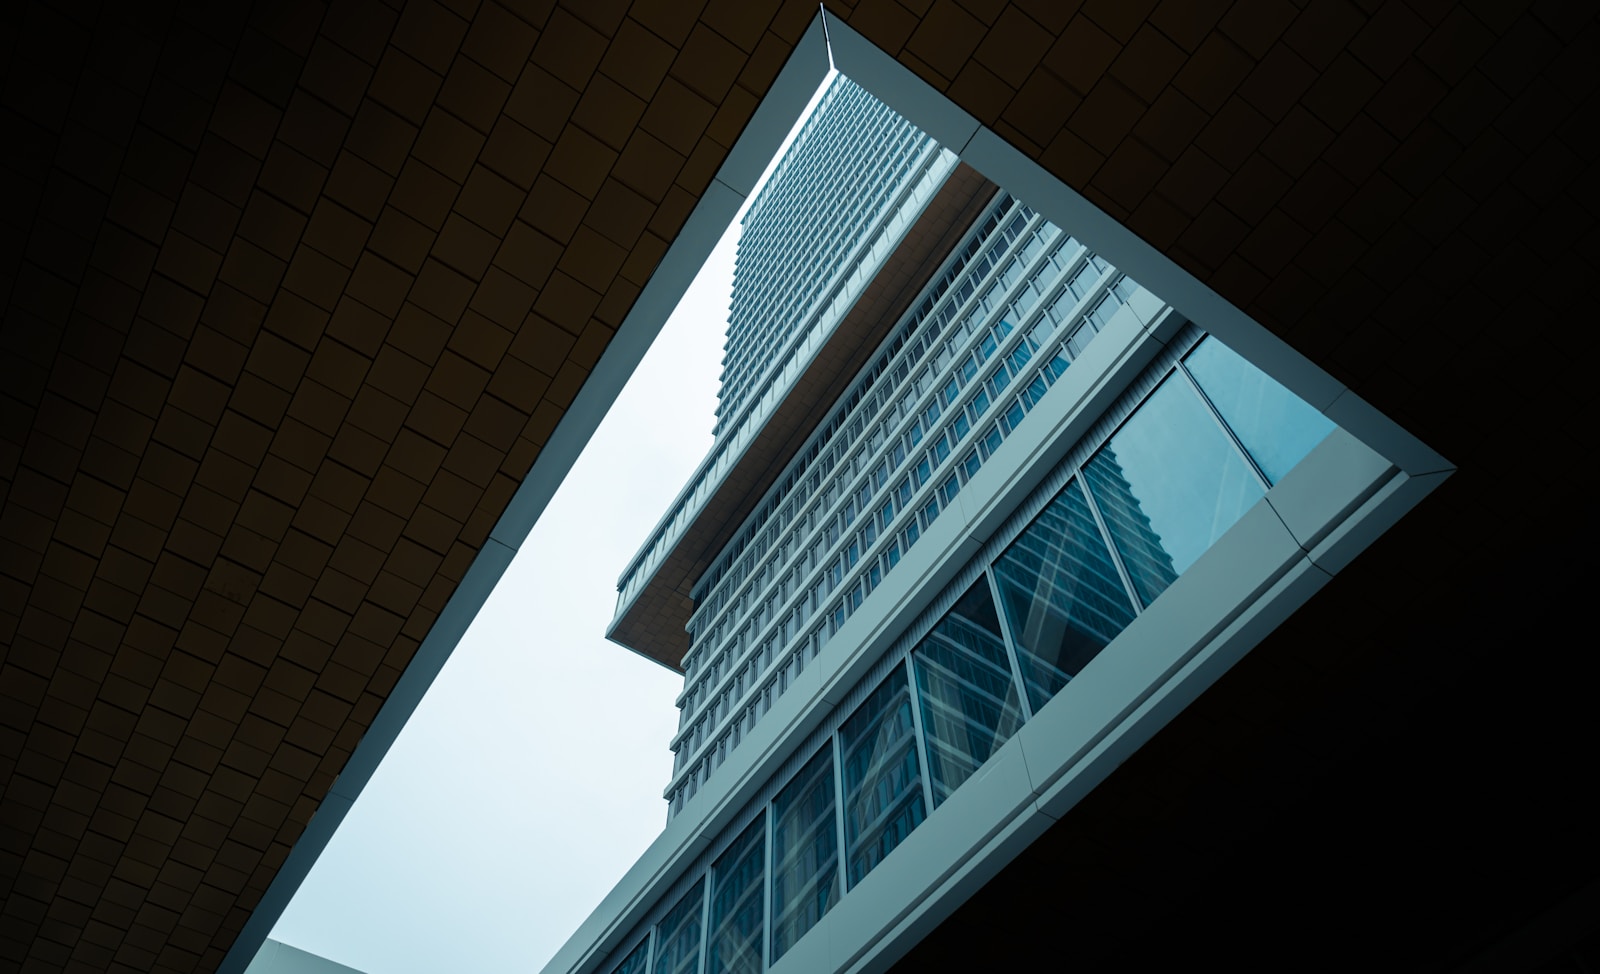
(959, 455)
(1138, 542)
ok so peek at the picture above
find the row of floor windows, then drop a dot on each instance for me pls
(855, 157)
(927, 177)
(829, 465)
(751, 541)
(819, 483)
(929, 425)
(844, 108)
(912, 507)
(764, 311)
(1208, 441)
(928, 345)
(807, 190)
(748, 353)
(826, 202)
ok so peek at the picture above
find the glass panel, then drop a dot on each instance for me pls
(636, 962)
(678, 935)
(736, 912)
(882, 778)
(1169, 484)
(1276, 427)
(1061, 594)
(805, 853)
(969, 698)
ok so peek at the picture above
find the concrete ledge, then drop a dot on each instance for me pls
(1377, 515)
(1338, 475)
(895, 903)
(892, 83)
(1363, 420)
(1223, 582)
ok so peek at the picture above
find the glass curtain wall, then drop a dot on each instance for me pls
(1211, 438)
(996, 330)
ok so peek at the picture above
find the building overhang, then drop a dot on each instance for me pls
(654, 623)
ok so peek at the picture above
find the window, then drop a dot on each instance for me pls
(969, 699)
(738, 879)
(1062, 597)
(678, 935)
(805, 857)
(882, 776)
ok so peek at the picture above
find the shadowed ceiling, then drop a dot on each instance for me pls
(294, 295)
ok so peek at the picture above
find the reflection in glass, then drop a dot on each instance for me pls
(636, 962)
(1147, 562)
(1276, 427)
(1061, 594)
(882, 777)
(678, 935)
(805, 853)
(969, 698)
(737, 878)
(1168, 484)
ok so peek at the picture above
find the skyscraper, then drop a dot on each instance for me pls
(958, 456)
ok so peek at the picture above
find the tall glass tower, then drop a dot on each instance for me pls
(841, 177)
(958, 455)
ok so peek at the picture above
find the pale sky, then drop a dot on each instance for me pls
(530, 777)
